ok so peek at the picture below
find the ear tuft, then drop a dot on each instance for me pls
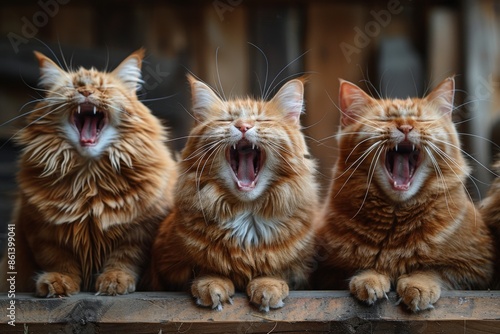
(50, 73)
(129, 70)
(443, 95)
(290, 99)
(351, 99)
(203, 98)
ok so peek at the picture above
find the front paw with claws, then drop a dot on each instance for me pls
(370, 286)
(419, 291)
(212, 291)
(267, 292)
(115, 282)
(53, 284)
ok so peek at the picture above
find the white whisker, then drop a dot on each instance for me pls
(371, 172)
(445, 158)
(284, 159)
(369, 84)
(218, 74)
(33, 122)
(357, 163)
(266, 95)
(367, 122)
(361, 142)
(201, 149)
(441, 177)
(262, 89)
(198, 174)
(467, 154)
(27, 113)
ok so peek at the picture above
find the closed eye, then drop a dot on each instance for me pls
(383, 120)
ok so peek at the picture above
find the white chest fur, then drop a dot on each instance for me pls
(250, 229)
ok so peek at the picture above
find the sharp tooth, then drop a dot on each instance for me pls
(413, 147)
(78, 108)
(253, 146)
(395, 184)
(234, 146)
(253, 184)
(396, 148)
(95, 110)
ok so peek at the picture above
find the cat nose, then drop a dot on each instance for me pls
(85, 92)
(243, 126)
(405, 128)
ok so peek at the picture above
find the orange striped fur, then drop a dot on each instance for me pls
(490, 210)
(401, 219)
(231, 229)
(94, 183)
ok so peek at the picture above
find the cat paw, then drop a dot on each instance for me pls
(53, 284)
(267, 292)
(115, 282)
(212, 291)
(419, 291)
(369, 286)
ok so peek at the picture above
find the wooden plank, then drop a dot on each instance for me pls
(316, 311)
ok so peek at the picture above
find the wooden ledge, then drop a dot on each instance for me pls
(314, 311)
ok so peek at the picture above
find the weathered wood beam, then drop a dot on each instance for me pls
(314, 311)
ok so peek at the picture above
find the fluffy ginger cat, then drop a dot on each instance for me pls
(243, 203)
(397, 213)
(490, 211)
(95, 180)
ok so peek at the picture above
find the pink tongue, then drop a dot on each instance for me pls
(88, 132)
(401, 169)
(246, 170)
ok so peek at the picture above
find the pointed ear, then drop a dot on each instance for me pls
(129, 70)
(443, 95)
(351, 100)
(50, 73)
(203, 98)
(290, 99)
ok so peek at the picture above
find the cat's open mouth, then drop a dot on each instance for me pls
(401, 162)
(89, 122)
(245, 160)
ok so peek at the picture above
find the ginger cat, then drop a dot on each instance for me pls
(397, 212)
(95, 180)
(490, 211)
(243, 204)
